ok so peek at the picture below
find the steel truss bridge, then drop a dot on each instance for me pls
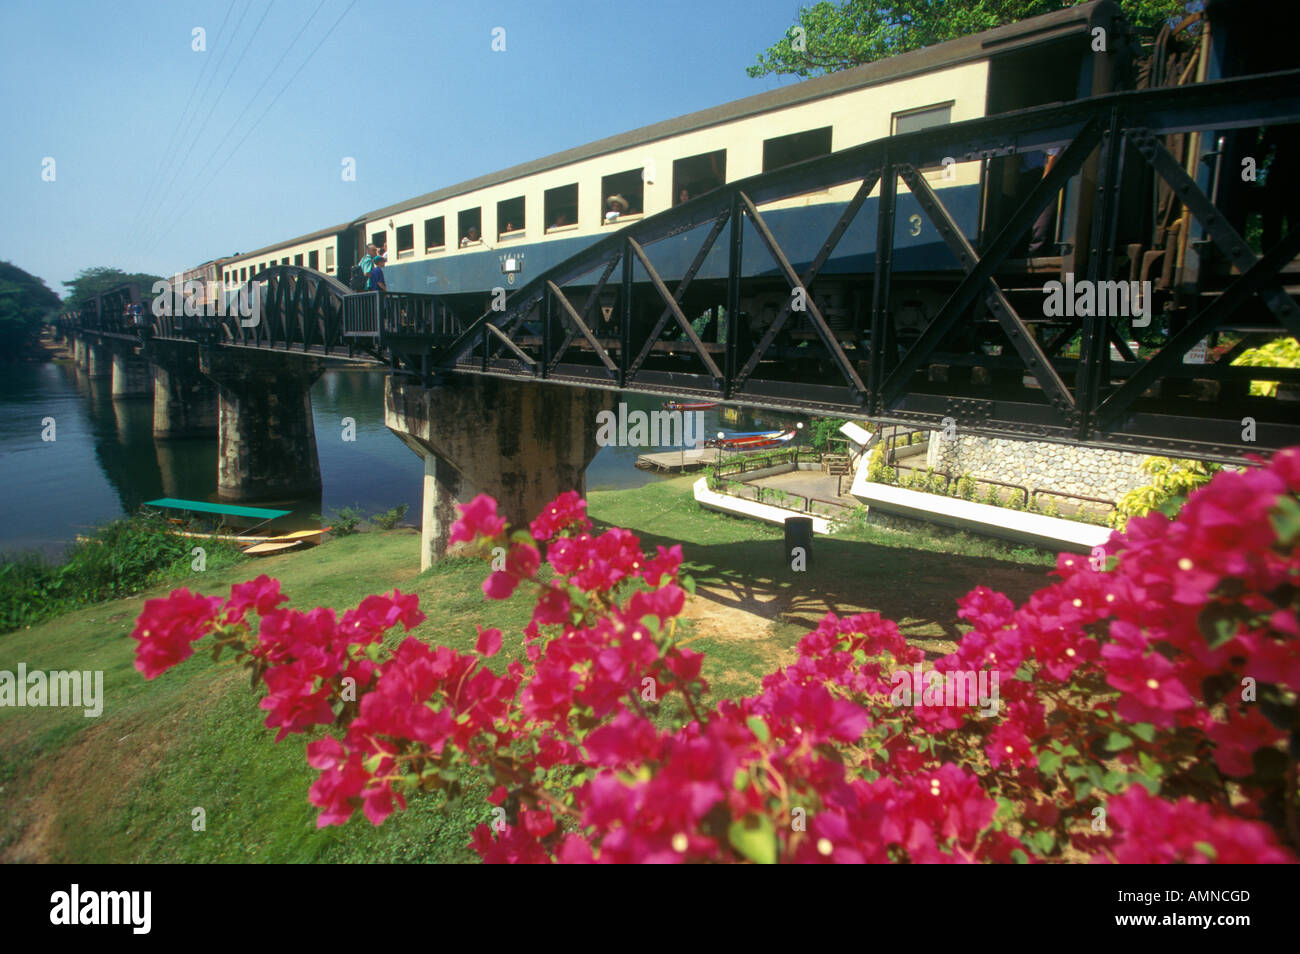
(987, 358)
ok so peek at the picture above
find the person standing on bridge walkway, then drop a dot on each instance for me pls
(375, 280)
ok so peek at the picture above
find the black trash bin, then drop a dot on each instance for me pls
(798, 533)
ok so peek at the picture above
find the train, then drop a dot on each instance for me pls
(463, 241)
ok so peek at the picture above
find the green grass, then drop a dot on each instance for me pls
(122, 787)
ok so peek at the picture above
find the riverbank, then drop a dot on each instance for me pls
(122, 787)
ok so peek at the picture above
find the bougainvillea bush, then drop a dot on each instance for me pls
(1147, 704)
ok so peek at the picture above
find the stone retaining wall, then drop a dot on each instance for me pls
(1086, 471)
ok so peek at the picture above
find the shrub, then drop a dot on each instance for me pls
(388, 519)
(1119, 689)
(1173, 480)
(117, 559)
(965, 487)
(1278, 353)
(346, 521)
(822, 429)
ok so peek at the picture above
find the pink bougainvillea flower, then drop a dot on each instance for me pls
(489, 641)
(478, 519)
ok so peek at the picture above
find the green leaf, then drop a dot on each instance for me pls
(1049, 763)
(1044, 841)
(1117, 741)
(740, 781)
(1207, 849)
(1286, 519)
(1144, 731)
(754, 837)
(687, 583)
(758, 727)
(1218, 623)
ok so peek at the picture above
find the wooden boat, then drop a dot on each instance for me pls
(758, 440)
(688, 406)
(257, 540)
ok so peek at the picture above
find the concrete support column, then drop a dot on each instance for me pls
(79, 353)
(131, 376)
(184, 401)
(522, 443)
(99, 361)
(265, 431)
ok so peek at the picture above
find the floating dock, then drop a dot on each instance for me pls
(679, 461)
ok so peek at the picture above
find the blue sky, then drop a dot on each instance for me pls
(412, 90)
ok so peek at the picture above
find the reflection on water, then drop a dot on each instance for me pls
(104, 461)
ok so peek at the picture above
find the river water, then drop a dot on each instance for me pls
(103, 461)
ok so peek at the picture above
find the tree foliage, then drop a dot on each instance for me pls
(91, 282)
(25, 302)
(831, 37)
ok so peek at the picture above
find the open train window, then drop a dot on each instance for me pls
(313, 261)
(405, 240)
(621, 195)
(510, 217)
(696, 175)
(329, 259)
(910, 120)
(435, 234)
(560, 206)
(379, 239)
(297, 260)
(469, 224)
(796, 147)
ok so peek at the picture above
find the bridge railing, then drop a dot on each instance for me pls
(609, 318)
(361, 315)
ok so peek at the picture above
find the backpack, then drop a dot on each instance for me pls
(357, 279)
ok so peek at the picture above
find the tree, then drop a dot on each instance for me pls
(831, 37)
(25, 302)
(91, 282)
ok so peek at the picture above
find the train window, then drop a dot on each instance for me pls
(913, 119)
(796, 147)
(696, 175)
(621, 195)
(435, 233)
(313, 261)
(283, 261)
(243, 274)
(329, 259)
(561, 207)
(510, 217)
(405, 240)
(261, 267)
(297, 260)
(379, 239)
(470, 226)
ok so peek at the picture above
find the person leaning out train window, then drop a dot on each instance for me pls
(375, 280)
(615, 206)
(470, 237)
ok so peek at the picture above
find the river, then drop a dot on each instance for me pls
(104, 462)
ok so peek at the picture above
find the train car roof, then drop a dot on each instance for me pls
(310, 237)
(1025, 33)
(976, 46)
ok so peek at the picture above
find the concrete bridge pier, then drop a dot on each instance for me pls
(131, 377)
(79, 351)
(99, 360)
(522, 443)
(184, 401)
(266, 435)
